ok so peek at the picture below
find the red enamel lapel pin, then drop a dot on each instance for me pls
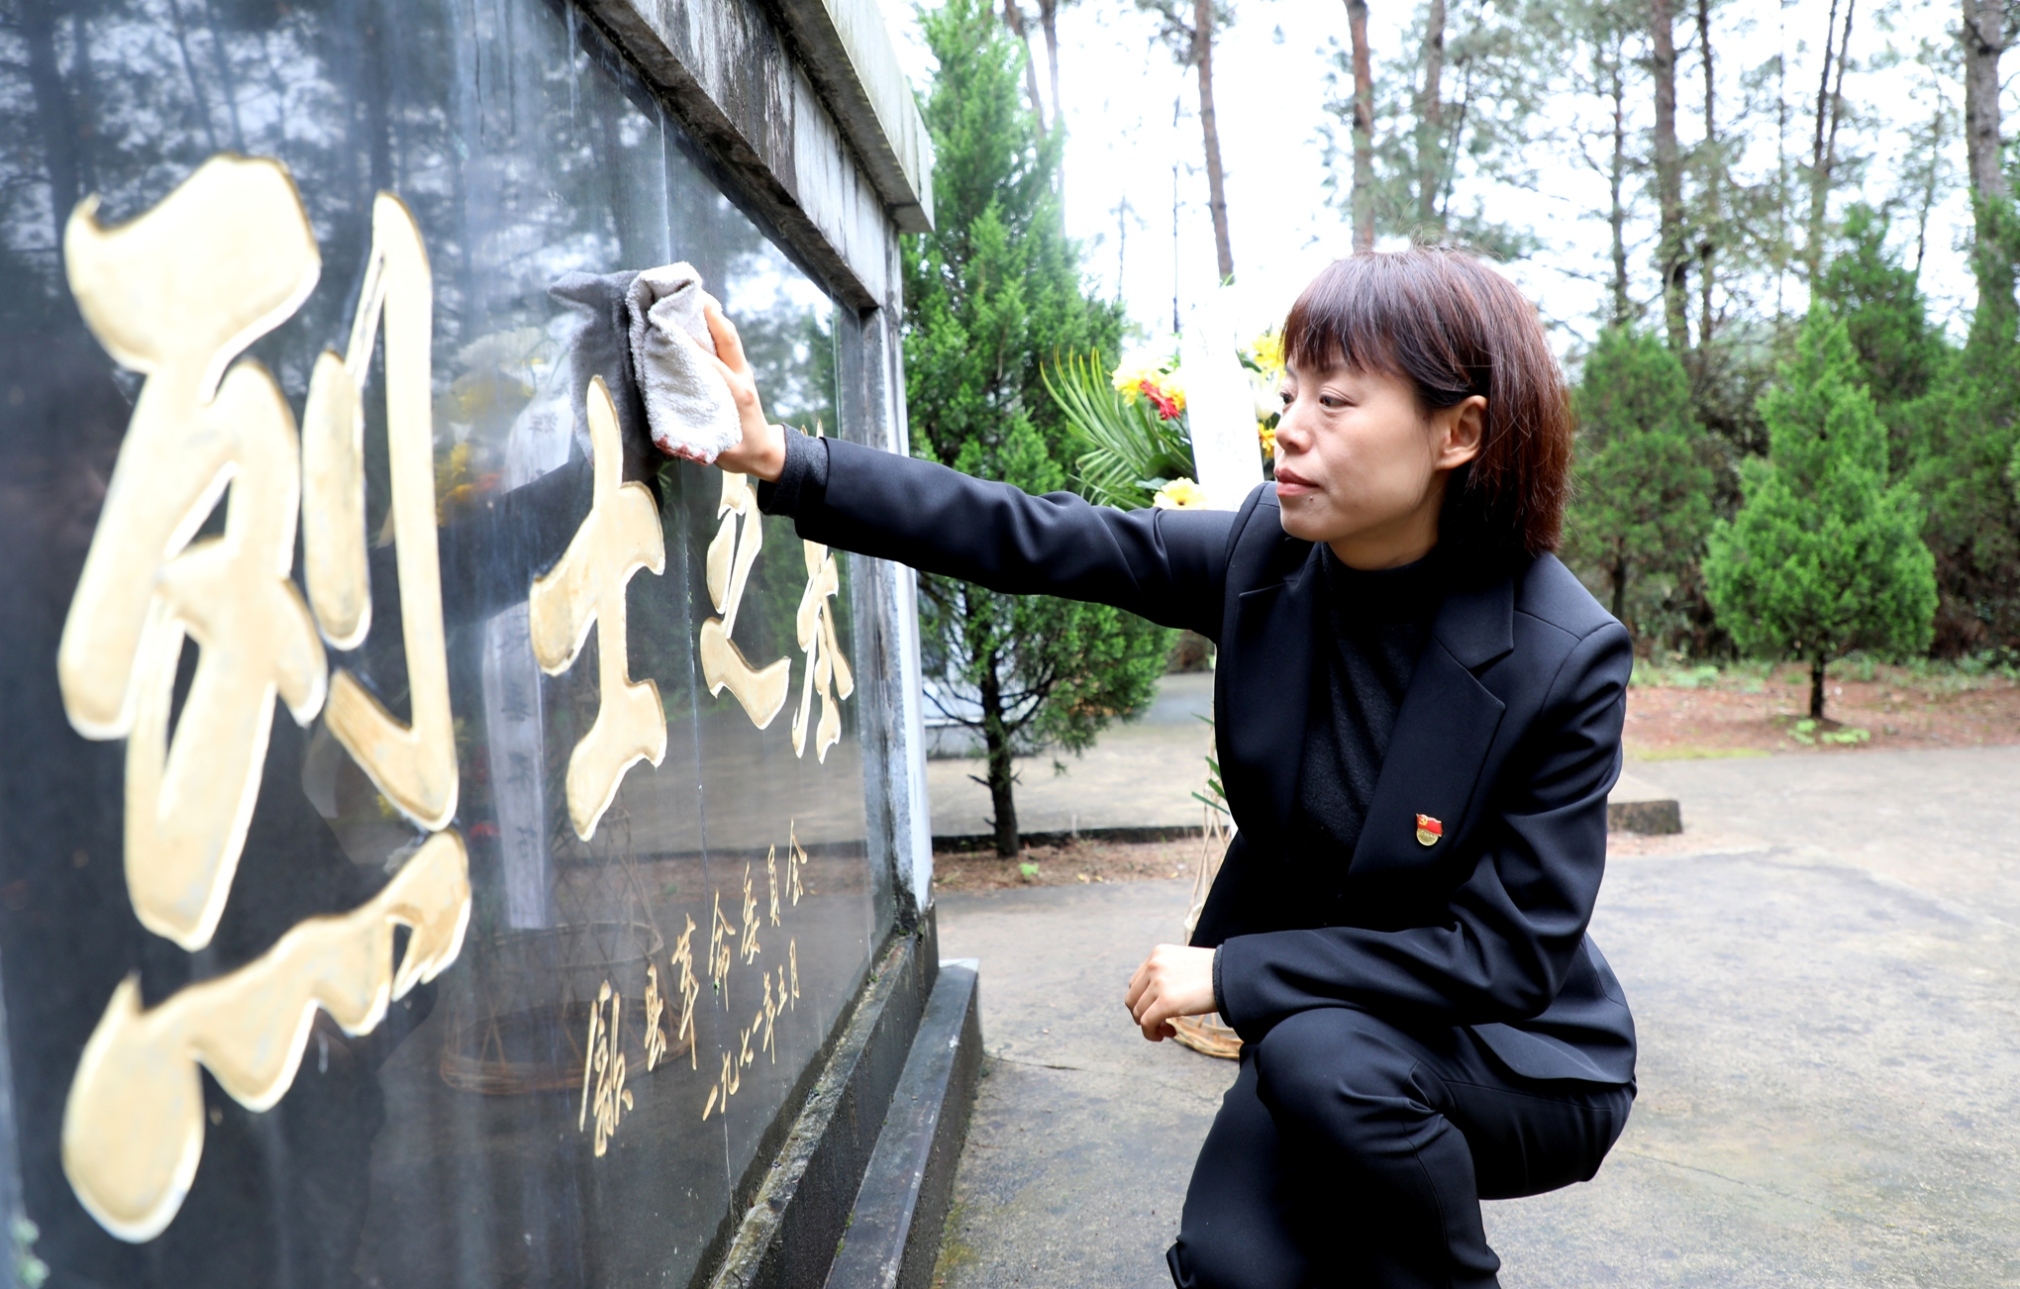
(1429, 830)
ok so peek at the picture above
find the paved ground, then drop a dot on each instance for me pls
(1826, 971)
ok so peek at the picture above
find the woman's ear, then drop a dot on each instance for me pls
(1460, 430)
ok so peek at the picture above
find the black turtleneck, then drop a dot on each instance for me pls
(1373, 627)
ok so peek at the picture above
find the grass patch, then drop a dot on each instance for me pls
(955, 1253)
(1931, 676)
(1699, 754)
(1809, 732)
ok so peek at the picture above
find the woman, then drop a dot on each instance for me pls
(1419, 721)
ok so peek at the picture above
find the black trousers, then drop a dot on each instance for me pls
(1352, 1153)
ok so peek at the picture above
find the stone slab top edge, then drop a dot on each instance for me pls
(873, 103)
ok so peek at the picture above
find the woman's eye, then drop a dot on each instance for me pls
(1287, 397)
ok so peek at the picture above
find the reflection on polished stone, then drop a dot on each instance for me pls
(441, 357)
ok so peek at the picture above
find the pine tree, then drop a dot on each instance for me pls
(1964, 469)
(992, 292)
(1644, 477)
(1881, 303)
(1824, 556)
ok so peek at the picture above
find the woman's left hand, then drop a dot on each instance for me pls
(1173, 981)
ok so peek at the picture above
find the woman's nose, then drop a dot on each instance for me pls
(1290, 426)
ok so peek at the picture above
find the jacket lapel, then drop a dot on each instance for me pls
(1267, 691)
(1444, 730)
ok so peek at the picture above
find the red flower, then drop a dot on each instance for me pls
(1166, 405)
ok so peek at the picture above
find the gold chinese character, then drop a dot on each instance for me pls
(655, 1037)
(793, 959)
(620, 536)
(772, 881)
(726, 1086)
(603, 1068)
(720, 933)
(761, 691)
(177, 294)
(770, 1013)
(827, 670)
(413, 765)
(133, 1126)
(796, 860)
(690, 989)
(751, 922)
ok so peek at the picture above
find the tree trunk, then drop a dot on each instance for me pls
(1013, 18)
(1824, 147)
(1616, 180)
(1932, 177)
(1671, 258)
(1984, 41)
(1816, 689)
(54, 112)
(1216, 190)
(1048, 20)
(196, 93)
(1620, 589)
(1431, 118)
(1838, 93)
(226, 85)
(1823, 93)
(1711, 223)
(1364, 127)
(1001, 772)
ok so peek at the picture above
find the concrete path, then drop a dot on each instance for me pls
(1825, 968)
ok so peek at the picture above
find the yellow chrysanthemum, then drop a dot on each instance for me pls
(1180, 494)
(1128, 378)
(1268, 352)
(1268, 435)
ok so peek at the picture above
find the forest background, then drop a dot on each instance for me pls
(1675, 182)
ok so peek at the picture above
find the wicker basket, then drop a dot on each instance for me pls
(1208, 1034)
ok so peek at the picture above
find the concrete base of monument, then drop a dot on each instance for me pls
(893, 1237)
(1638, 806)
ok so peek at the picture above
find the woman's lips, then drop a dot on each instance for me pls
(1292, 484)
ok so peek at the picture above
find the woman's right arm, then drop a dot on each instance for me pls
(1169, 566)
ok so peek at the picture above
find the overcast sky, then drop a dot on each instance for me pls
(1271, 72)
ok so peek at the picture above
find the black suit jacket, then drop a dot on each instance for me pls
(1509, 735)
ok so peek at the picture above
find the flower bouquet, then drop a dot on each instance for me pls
(1132, 429)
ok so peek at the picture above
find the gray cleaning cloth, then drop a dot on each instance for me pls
(687, 406)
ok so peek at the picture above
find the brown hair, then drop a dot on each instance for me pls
(1454, 328)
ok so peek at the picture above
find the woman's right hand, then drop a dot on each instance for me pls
(762, 453)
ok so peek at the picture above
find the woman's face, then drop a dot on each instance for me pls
(1361, 467)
